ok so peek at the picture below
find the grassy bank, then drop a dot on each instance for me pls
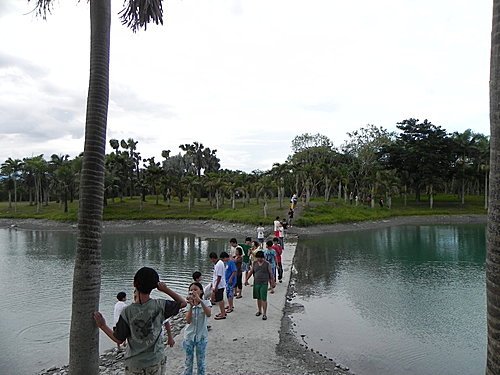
(318, 212)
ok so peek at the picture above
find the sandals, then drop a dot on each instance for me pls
(229, 310)
(264, 317)
(238, 297)
(258, 313)
(218, 317)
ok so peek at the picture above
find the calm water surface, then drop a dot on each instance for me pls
(36, 269)
(400, 300)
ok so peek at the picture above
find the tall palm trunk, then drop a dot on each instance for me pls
(493, 254)
(84, 335)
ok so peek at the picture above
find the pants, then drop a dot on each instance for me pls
(189, 346)
(159, 369)
(280, 271)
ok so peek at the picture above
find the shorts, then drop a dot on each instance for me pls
(261, 240)
(158, 369)
(219, 295)
(229, 291)
(260, 292)
(245, 267)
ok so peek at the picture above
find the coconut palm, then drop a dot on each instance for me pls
(84, 335)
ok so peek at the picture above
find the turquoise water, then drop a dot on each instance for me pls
(36, 270)
(400, 300)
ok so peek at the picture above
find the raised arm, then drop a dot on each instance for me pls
(162, 287)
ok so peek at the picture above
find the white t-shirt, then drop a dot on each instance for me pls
(119, 306)
(219, 270)
(277, 224)
(260, 232)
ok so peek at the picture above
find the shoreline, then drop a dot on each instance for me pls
(289, 355)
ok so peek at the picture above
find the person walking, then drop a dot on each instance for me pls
(262, 274)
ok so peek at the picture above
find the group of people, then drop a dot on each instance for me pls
(140, 325)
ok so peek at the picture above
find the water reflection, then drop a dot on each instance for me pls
(37, 268)
(408, 298)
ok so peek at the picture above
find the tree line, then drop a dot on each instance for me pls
(372, 163)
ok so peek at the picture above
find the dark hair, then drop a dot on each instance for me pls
(233, 240)
(276, 239)
(239, 250)
(260, 223)
(259, 254)
(146, 279)
(277, 217)
(196, 275)
(121, 296)
(256, 243)
(213, 255)
(199, 286)
(269, 243)
(224, 255)
(248, 239)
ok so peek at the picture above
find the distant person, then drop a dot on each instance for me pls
(277, 225)
(119, 306)
(196, 332)
(218, 285)
(261, 272)
(260, 234)
(233, 244)
(290, 216)
(293, 201)
(279, 251)
(246, 255)
(231, 274)
(381, 202)
(351, 197)
(238, 260)
(140, 324)
(270, 257)
(281, 233)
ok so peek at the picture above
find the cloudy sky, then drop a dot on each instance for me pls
(245, 76)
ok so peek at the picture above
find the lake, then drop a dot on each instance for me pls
(399, 300)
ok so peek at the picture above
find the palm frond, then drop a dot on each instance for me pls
(138, 13)
(42, 7)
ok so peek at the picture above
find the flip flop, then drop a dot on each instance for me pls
(229, 311)
(219, 317)
(258, 313)
(238, 297)
(264, 317)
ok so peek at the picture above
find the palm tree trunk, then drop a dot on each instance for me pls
(84, 334)
(493, 251)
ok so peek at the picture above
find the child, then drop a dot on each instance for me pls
(260, 235)
(231, 275)
(261, 271)
(206, 289)
(141, 324)
(270, 256)
(279, 252)
(119, 306)
(196, 332)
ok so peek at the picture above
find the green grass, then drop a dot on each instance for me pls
(318, 212)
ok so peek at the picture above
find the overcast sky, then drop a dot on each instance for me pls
(245, 76)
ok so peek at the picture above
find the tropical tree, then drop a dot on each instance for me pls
(84, 335)
(493, 251)
(11, 168)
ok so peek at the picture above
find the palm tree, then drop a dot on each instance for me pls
(84, 335)
(493, 253)
(11, 167)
